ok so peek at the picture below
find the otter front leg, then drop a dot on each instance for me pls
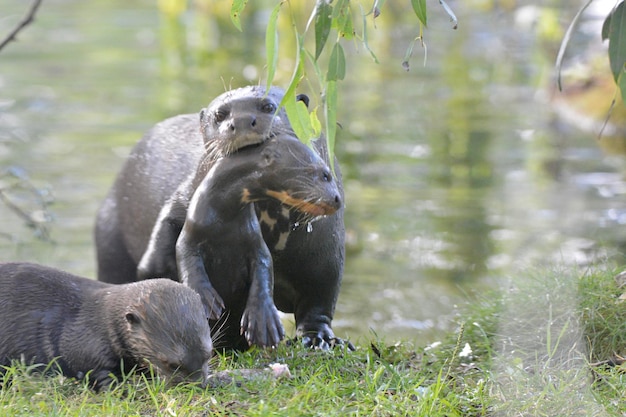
(260, 323)
(191, 272)
(159, 259)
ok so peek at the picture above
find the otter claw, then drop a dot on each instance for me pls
(326, 344)
(324, 340)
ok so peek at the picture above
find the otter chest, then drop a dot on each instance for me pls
(276, 223)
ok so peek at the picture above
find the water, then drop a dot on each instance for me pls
(456, 173)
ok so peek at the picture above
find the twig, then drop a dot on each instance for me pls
(32, 221)
(16, 209)
(565, 42)
(22, 24)
(615, 360)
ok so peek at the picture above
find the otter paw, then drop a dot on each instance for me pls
(262, 327)
(211, 300)
(323, 339)
(100, 380)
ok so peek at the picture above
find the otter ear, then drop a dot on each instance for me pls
(303, 98)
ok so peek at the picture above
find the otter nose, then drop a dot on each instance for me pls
(243, 123)
(337, 201)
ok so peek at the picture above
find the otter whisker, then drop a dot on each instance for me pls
(218, 330)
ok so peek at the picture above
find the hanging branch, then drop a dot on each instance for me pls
(22, 24)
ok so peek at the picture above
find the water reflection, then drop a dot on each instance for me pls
(455, 173)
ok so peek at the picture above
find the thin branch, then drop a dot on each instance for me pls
(16, 209)
(565, 42)
(22, 24)
(36, 219)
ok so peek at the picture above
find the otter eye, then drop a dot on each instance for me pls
(268, 107)
(220, 115)
(132, 318)
(326, 177)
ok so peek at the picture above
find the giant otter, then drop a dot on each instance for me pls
(92, 329)
(146, 208)
(221, 252)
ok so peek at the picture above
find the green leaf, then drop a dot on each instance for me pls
(622, 86)
(419, 6)
(342, 19)
(337, 64)
(339, 9)
(289, 102)
(346, 29)
(296, 110)
(409, 51)
(315, 123)
(330, 107)
(300, 120)
(606, 27)
(305, 121)
(271, 45)
(235, 12)
(407, 55)
(617, 41)
(322, 26)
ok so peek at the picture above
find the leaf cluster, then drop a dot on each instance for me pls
(330, 23)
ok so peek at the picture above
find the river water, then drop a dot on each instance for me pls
(458, 173)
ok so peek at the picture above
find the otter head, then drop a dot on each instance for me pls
(243, 117)
(167, 326)
(295, 175)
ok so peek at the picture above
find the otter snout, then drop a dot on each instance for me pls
(243, 123)
(330, 205)
(336, 202)
(334, 198)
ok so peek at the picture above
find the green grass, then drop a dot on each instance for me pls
(532, 354)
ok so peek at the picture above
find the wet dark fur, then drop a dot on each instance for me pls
(144, 213)
(93, 329)
(241, 281)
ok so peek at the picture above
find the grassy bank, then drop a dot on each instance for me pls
(540, 348)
